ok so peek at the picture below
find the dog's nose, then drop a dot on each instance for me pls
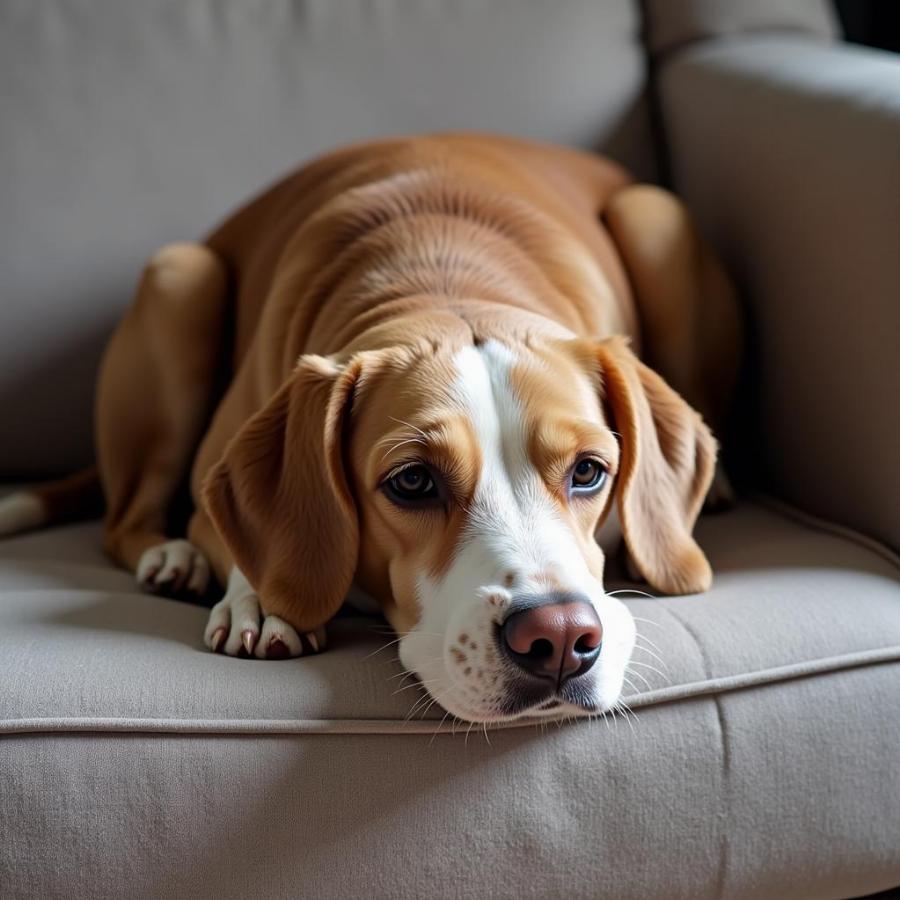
(554, 640)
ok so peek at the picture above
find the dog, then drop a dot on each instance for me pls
(430, 368)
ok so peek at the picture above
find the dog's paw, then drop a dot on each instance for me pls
(237, 626)
(174, 568)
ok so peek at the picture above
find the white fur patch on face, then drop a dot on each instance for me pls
(513, 528)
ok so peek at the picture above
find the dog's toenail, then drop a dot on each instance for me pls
(248, 639)
(313, 641)
(277, 649)
(217, 639)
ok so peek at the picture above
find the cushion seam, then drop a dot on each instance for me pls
(826, 526)
(694, 690)
(722, 867)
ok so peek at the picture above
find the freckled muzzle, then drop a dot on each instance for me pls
(552, 638)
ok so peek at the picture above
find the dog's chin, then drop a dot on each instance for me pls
(541, 703)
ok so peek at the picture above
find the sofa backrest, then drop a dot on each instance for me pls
(127, 124)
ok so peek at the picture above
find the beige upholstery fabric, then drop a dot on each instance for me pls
(128, 124)
(670, 25)
(765, 764)
(764, 760)
(789, 152)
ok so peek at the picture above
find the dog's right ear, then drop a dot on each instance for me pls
(668, 457)
(280, 498)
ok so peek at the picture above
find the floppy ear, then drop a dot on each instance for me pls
(668, 458)
(280, 499)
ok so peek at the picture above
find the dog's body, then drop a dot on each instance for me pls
(456, 296)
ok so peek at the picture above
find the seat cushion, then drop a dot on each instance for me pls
(762, 759)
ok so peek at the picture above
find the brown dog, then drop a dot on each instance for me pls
(411, 365)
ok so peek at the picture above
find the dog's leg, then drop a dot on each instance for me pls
(155, 390)
(690, 320)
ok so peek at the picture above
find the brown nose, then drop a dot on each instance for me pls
(553, 640)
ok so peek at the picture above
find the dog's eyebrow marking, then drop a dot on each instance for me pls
(408, 425)
(401, 443)
(420, 437)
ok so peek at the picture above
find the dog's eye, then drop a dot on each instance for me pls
(411, 484)
(588, 475)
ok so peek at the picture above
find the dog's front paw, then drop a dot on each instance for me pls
(173, 569)
(237, 626)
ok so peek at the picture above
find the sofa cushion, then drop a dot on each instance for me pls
(788, 599)
(670, 26)
(134, 763)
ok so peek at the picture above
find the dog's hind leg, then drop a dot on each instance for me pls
(690, 319)
(156, 388)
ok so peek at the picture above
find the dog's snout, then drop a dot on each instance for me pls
(554, 640)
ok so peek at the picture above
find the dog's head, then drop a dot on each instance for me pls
(462, 487)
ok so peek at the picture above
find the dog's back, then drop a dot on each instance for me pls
(447, 216)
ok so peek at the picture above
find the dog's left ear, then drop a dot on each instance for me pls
(281, 501)
(667, 463)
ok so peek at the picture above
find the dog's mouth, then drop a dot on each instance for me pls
(547, 705)
(527, 700)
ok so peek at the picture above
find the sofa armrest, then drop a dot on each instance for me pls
(788, 151)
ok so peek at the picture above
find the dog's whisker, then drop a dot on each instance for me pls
(632, 591)
(401, 673)
(635, 662)
(413, 707)
(624, 709)
(637, 675)
(418, 705)
(655, 656)
(414, 685)
(418, 684)
(419, 436)
(384, 647)
(425, 711)
(408, 425)
(648, 621)
(423, 663)
(629, 721)
(630, 711)
(641, 643)
(438, 728)
(643, 637)
(412, 440)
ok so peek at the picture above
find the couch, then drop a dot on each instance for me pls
(760, 757)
